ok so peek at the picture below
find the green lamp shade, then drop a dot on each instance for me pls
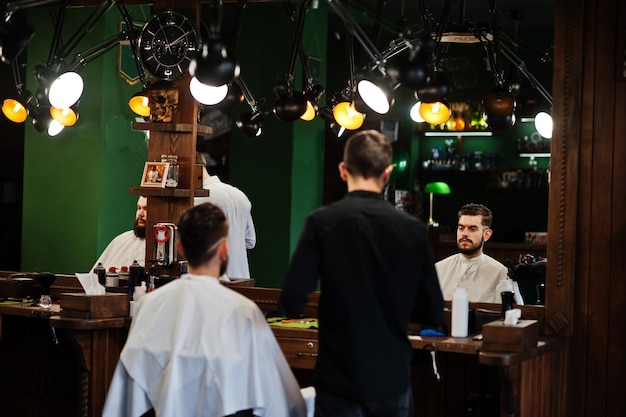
(437, 188)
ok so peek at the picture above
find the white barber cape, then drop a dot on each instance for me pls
(197, 348)
(122, 251)
(479, 276)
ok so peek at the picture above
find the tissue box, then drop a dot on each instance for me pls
(83, 306)
(500, 338)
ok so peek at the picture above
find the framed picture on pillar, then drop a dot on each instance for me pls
(154, 174)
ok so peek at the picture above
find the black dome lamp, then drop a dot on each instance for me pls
(214, 65)
(290, 105)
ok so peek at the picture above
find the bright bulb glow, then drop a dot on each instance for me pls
(140, 104)
(55, 128)
(415, 113)
(66, 117)
(435, 113)
(373, 96)
(543, 124)
(347, 116)
(14, 111)
(66, 90)
(309, 114)
(207, 94)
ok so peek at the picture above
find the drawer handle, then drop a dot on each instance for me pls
(304, 354)
(310, 345)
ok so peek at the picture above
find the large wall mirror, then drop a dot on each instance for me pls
(518, 200)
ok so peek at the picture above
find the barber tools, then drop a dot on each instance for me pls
(45, 280)
(164, 244)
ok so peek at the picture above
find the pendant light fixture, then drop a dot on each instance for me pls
(215, 66)
(16, 108)
(312, 92)
(290, 104)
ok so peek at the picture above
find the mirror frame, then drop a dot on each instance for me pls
(564, 165)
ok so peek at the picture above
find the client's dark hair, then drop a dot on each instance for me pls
(200, 228)
(367, 154)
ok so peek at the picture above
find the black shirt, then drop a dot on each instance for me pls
(376, 274)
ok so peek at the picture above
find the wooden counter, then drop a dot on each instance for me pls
(74, 360)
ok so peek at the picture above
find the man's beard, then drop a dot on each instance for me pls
(140, 230)
(472, 250)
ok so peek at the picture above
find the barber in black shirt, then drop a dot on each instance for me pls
(376, 275)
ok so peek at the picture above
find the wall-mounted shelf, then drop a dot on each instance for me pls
(457, 133)
(168, 192)
(172, 127)
(534, 154)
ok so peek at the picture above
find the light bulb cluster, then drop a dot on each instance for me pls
(56, 101)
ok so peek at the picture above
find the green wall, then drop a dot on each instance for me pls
(76, 183)
(83, 202)
(280, 171)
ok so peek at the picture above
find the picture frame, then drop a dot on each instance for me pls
(154, 174)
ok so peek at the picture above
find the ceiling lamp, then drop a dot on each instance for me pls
(435, 113)
(65, 90)
(313, 94)
(54, 128)
(543, 124)
(412, 68)
(251, 122)
(41, 118)
(66, 117)
(499, 107)
(139, 103)
(347, 116)
(207, 94)
(290, 105)
(376, 94)
(214, 66)
(415, 113)
(16, 108)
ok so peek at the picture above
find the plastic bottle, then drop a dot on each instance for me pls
(460, 313)
(140, 291)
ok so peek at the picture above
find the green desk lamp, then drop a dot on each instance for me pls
(433, 188)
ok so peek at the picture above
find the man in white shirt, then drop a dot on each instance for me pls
(238, 209)
(477, 272)
(197, 348)
(128, 246)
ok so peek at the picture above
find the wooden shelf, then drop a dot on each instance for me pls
(168, 192)
(172, 127)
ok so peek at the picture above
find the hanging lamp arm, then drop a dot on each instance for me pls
(86, 28)
(521, 65)
(358, 33)
(497, 50)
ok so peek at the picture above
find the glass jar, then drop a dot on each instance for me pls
(172, 171)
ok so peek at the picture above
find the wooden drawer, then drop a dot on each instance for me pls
(298, 345)
(300, 353)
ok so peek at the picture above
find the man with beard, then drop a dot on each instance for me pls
(128, 246)
(471, 269)
(196, 347)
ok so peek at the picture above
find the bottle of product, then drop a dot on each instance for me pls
(140, 291)
(134, 277)
(102, 274)
(460, 313)
(505, 289)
